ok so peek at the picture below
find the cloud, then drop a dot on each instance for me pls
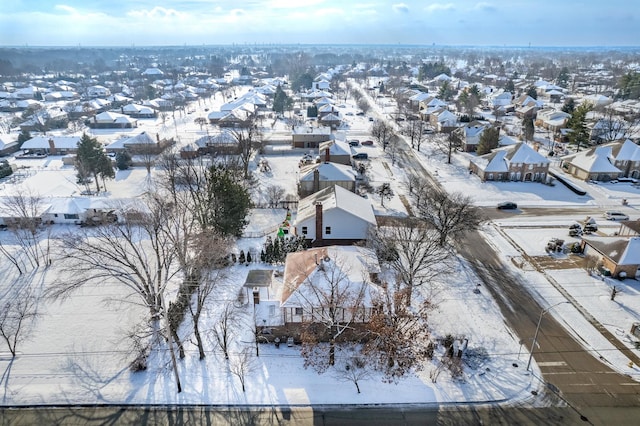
(157, 12)
(485, 7)
(439, 6)
(65, 8)
(291, 4)
(400, 8)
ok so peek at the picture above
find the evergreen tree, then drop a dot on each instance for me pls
(528, 128)
(569, 106)
(579, 135)
(249, 258)
(92, 160)
(531, 91)
(510, 87)
(563, 77)
(263, 256)
(241, 258)
(23, 137)
(312, 111)
(123, 160)
(488, 140)
(227, 203)
(281, 102)
(302, 82)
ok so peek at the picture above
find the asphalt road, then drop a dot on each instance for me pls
(578, 378)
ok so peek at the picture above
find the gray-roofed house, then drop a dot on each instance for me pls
(593, 164)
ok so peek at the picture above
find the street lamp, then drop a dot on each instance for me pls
(535, 336)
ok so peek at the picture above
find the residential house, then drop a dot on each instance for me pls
(501, 99)
(593, 164)
(140, 142)
(620, 257)
(519, 162)
(336, 277)
(8, 144)
(335, 151)
(626, 157)
(310, 137)
(629, 228)
(334, 215)
(551, 119)
(332, 121)
(52, 145)
(443, 120)
(470, 134)
(112, 120)
(324, 175)
(138, 111)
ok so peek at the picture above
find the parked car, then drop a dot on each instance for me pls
(360, 156)
(354, 142)
(615, 215)
(590, 227)
(507, 205)
(368, 142)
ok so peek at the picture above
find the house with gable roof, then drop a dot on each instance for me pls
(627, 158)
(335, 151)
(324, 175)
(619, 256)
(112, 120)
(593, 164)
(519, 162)
(470, 135)
(310, 275)
(334, 215)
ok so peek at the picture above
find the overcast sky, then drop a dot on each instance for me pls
(446, 22)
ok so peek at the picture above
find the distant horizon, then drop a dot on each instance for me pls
(567, 23)
(408, 45)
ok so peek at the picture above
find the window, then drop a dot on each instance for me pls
(71, 216)
(327, 230)
(298, 311)
(304, 230)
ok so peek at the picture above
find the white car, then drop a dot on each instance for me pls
(615, 215)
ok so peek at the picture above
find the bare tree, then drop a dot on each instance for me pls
(241, 365)
(413, 129)
(399, 339)
(225, 327)
(446, 143)
(201, 121)
(611, 126)
(17, 311)
(24, 210)
(385, 192)
(274, 193)
(451, 214)
(249, 140)
(205, 286)
(351, 366)
(412, 248)
(331, 303)
(382, 132)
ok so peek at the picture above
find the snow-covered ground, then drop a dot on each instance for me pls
(77, 351)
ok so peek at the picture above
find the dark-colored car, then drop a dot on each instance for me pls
(354, 142)
(507, 205)
(367, 143)
(360, 156)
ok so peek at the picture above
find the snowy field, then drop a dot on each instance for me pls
(77, 353)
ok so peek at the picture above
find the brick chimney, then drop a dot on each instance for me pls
(327, 156)
(316, 180)
(318, 240)
(52, 147)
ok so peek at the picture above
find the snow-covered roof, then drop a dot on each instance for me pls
(349, 268)
(331, 172)
(336, 197)
(595, 160)
(59, 142)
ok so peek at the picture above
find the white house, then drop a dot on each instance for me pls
(325, 175)
(334, 216)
